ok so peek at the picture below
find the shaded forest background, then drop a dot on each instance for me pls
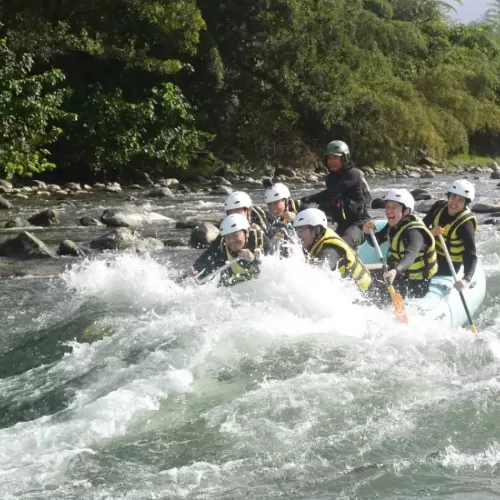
(102, 89)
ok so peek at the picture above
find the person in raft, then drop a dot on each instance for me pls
(452, 219)
(280, 203)
(347, 195)
(412, 259)
(238, 241)
(320, 244)
(240, 202)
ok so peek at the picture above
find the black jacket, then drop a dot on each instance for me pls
(346, 198)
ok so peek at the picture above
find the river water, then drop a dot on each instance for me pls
(115, 383)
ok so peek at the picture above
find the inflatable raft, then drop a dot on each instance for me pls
(443, 302)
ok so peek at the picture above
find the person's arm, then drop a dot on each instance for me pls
(210, 259)
(428, 219)
(415, 243)
(318, 198)
(467, 234)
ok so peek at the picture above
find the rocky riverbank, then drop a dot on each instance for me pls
(143, 217)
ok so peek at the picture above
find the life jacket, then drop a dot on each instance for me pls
(293, 206)
(425, 265)
(258, 216)
(454, 244)
(237, 273)
(350, 265)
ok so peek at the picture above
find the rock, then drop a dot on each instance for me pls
(65, 203)
(428, 160)
(428, 174)
(4, 204)
(39, 184)
(491, 222)
(312, 178)
(73, 186)
(414, 175)
(285, 171)
(220, 181)
(45, 218)
(200, 179)
(183, 188)
(53, 188)
(267, 181)
(495, 175)
(6, 184)
(44, 193)
(175, 243)
(20, 196)
(99, 185)
(487, 208)
(113, 189)
(87, 187)
(25, 246)
(143, 177)
(172, 181)
(368, 170)
(161, 192)
(89, 221)
(135, 187)
(121, 218)
(378, 203)
(223, 190)
(421, 194)
(68, 247)
(494, 166)
(186, 224)
(17, 222)
(425, 206)
(118, 239)
(203, 235)
(149, 245)
(5, 190)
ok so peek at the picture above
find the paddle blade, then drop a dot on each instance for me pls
(399, 306)
(473, 329)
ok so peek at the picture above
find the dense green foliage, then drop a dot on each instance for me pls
(112, 86)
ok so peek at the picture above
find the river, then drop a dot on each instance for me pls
(116, 383)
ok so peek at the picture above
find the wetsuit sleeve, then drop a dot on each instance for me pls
(467, 234)
(319, 198)
(415, 243)
(428, 220)
(331, 256)
(210, 259)
(381, 236)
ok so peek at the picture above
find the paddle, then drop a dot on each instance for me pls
(455, 277)
(227, 265)
(397, 300)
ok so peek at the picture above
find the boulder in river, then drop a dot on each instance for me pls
(118, 239)
(89, 221)
(203, 235)
(45, 218)
(68, 247)
(25, 246)
(129, 218)
(421, 194)
(489, 207)
(160, 192)
(16, 222)
(5, 204)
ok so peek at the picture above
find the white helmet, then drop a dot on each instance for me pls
(310, 217)
(402, 196)
(234, 223)
(463, 188)
(238, 199)
(276, 192)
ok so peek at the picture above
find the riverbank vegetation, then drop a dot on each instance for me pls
(106, 88)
